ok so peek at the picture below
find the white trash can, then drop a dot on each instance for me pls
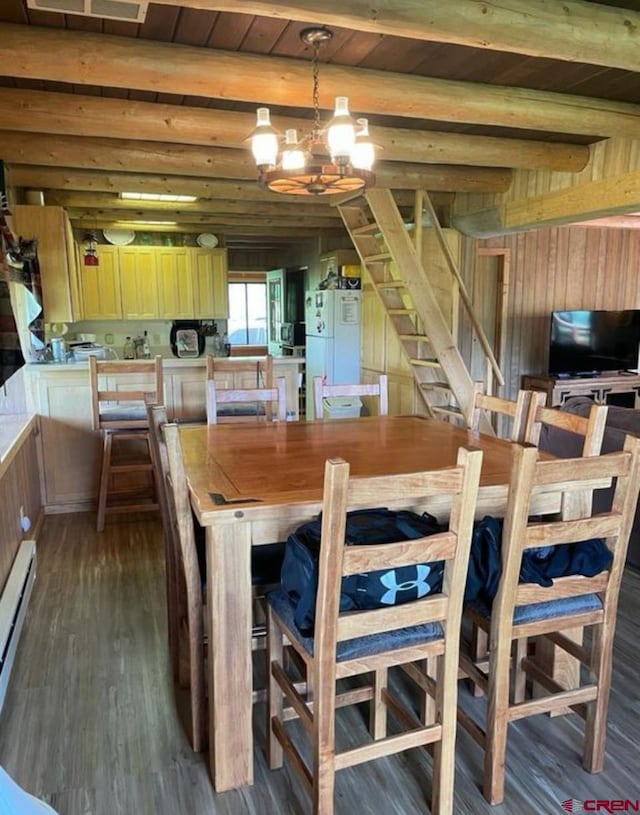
(341, 407)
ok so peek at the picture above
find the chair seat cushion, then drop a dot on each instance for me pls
(123, 413)
(360, 646)
(549, 609)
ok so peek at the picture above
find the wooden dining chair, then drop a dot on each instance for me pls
(524, 610)
(373, 641)
(120, 414)
(516, 412)
(186, 575)
(378, 389)
(590, 427)
(241, 388)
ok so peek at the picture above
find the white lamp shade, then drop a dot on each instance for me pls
(363, 153)
(341, 132)
(264, 141)
(293, 157)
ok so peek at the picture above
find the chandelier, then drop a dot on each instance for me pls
(294, 170)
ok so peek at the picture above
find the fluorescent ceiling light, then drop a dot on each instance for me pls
(158, 196)
(150, 223)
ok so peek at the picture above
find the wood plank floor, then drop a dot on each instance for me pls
(89, 722)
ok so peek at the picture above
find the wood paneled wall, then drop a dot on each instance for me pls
(556, 268)
(19, 487)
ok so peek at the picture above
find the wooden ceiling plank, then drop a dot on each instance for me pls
(70, 114)
(171, 159)
(203, 220)
(94, 181)
(615, 195)
(165, 67)
(288, 232)
(202, 206)
(573, 30)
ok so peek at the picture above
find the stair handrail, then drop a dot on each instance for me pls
(464, 294)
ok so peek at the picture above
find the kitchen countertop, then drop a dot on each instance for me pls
(14, 429)
(167, 362)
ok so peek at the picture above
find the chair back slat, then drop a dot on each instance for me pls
(258, 396)
(516, 411)
(379, 389)
(336, 560)
(105, 400)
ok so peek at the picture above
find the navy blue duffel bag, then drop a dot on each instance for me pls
(299, 577)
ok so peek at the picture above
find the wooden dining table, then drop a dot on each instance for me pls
(252, 484)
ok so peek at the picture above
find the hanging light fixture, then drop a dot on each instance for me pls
(91, 250)
(293, 169)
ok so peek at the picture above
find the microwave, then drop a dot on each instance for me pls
(292, 333)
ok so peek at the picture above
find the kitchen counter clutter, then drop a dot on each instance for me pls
(70, 449)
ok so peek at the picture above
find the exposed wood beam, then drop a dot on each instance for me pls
(75, 115)
(572, 30)
(123, 62)
(614, 222)
(203, 220)
(616, 195)
(247, 229)
(203, 207)
(65, 178)
(213, 162)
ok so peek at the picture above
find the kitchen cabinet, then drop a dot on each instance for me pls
(56, 256)
(138, 282)
(175, 283)
(100, 286)
(211, 294)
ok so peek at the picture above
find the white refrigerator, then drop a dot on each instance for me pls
(333, 319)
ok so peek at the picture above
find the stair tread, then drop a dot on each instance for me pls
(377, 256)
(390, 284)
(427, 363)
(130, 467)
(414, 337)
(365, 230)
(401, 311)
(436, 385)
(450, 410)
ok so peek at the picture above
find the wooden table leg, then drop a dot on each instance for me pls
(229, 655)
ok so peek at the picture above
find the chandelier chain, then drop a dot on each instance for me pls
(316, 93)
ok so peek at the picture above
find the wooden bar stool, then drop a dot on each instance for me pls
(121, 416)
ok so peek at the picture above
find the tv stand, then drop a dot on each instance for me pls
(599, 387)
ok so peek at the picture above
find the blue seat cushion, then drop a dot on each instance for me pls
(549, 609)
(360, 646)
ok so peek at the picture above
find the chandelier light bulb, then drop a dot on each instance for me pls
(293, 157)
(363, 152)
(264, 141)
(341, 133)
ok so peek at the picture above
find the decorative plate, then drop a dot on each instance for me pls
(119, 237)
(207, 241)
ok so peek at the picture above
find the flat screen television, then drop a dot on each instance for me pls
(590, 342)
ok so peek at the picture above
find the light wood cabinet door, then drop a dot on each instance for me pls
(139, 282)
(100, 286)
(71, 451)
(188, 391)
(56, 258)
(211, 294)
(175, 283)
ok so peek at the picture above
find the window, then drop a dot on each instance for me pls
(247, 314)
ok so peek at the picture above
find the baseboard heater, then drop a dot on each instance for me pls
(13, 608)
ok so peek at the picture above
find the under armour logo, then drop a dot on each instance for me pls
(571, 805)
(420, 584)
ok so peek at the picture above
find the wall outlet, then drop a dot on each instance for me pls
(108, 339)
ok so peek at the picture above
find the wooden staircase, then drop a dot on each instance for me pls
(380, 235)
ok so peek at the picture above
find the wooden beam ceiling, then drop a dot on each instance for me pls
(116, 62)
(212, 162)
(573, 30)
(81, 115)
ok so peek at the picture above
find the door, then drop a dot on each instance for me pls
(275, 310)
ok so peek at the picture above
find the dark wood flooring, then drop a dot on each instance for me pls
(89, 722)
